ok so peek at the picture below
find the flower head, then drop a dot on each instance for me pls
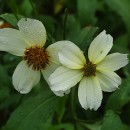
(4, 24)
(94, 75)
(29, 42)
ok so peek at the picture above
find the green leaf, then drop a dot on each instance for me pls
(121, 7)
(26, 7)
(4, 77)
(94, 126)
(62, 126)
(72, 27)
(10, 100)
(86, 11)
(125, 127)
(111, 121)
(121, 44)
(48, 22)
(10, 18)
(61, 108)
(85, 36)
(120, 97)
(33, 113)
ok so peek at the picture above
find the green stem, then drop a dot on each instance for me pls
(49, 38)
(73, 103)
(64, 24)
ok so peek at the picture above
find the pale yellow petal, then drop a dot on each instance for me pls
(63, 78)
(113, 62)
(90, 93)
(100, 47)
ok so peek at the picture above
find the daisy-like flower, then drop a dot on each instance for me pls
(28, 42)
(94, 75)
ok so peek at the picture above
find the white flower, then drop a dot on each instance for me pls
(94, 75)
(28, 42)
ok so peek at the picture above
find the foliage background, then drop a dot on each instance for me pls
(78, 21)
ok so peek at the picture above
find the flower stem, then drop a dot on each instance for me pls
(64, 24)
(73, 103)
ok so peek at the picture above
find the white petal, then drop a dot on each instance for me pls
(100, 47)
(109, 80)
(71, 56)
(113, 62)
(24, 78)
(64, 78)
(12, 41)
(34, 30)
(54, 49)
(90, 93)
(47, 72)
(61, 93)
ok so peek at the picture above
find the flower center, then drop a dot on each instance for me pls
(37, 57)
(89, 69)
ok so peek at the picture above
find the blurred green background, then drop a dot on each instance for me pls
(78, 21)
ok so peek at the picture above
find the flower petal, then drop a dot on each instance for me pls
(109, 80)
(12, 41)
(71, 56)
(54, 49)
(24, 78)
(100, 47)
(90, 93)
(113, 62)
(61, 93)
(34, 30)
(64, 78)
(47, 72)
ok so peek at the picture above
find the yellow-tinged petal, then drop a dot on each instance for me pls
(100, 47)
(113, 62)
(64, 78)
(109, 80)
(46, 74)
(90, 93)
(71, 56)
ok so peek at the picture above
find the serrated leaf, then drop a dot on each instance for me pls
(120, 97)
(111, 121)
(10, 18)
(86, 11)
(121, 7)
(32, 113)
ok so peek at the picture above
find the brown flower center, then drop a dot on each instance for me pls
(37, 57)
(89, 69)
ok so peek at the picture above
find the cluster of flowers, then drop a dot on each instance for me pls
(62, 64)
